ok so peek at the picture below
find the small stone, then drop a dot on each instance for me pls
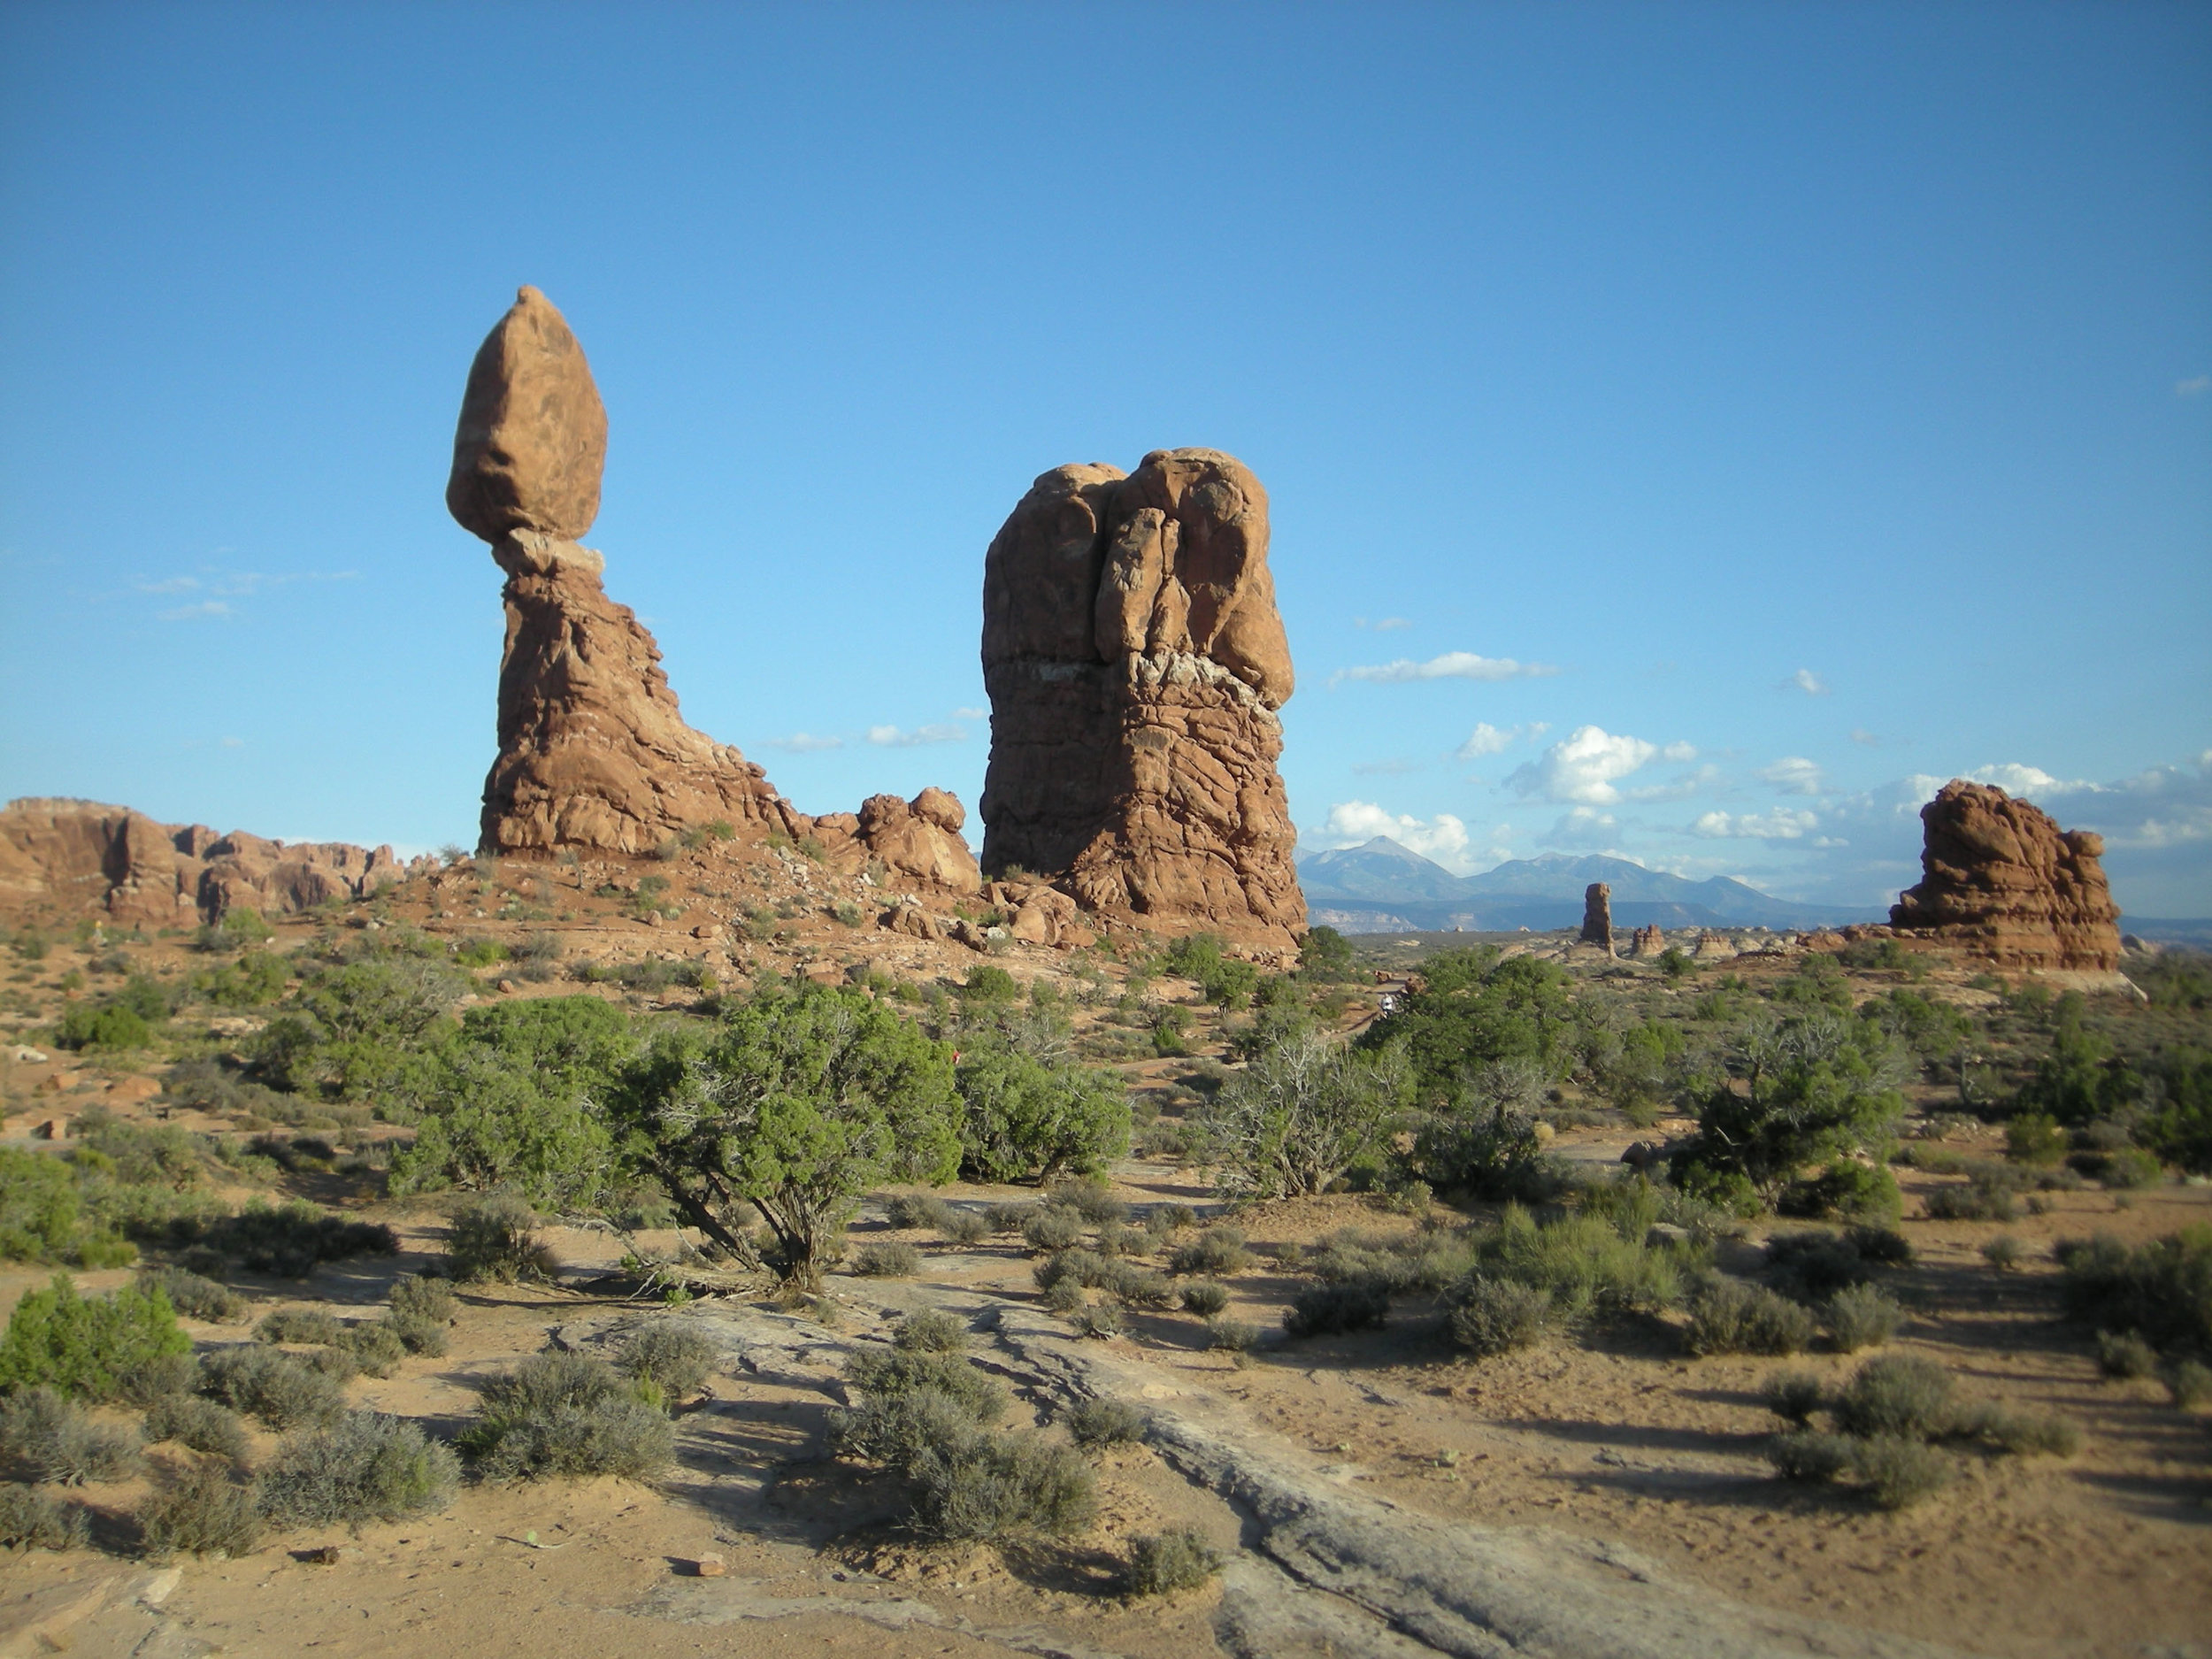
(708, 1567)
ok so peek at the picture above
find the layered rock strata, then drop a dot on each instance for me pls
(594, 752)
(1597, 916)
(2001, 879)
(1135, 663)
(1647, 941)
(73, 855)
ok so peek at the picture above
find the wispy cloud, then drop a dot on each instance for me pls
(1451, 665)
(971, 714)
(1864, 739)
(2195, 386)
(1383, 626)
(1487, 739)
(802, 743)
(893, 737)
(1807, 681)
(197, 612)
(1385, 768)
(1794, 774)
(222, 587)
(1786, 824)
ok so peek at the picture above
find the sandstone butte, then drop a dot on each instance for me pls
(165, 875)
(2000, 880)
(593, 753)
(1135, 663)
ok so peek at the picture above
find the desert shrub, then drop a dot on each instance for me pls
(986, 984)
(915, 1210)
(987, 1487)
(375, 1346)
(202, 1425)
(1487, 1143)
(2125, 1355)
(1898, 1395)
(1161, 1563)
(90, 1346)
(2189, 1383)
(677, 1358)
(1990, 1192)
(48, 1433)
(160, 1378)
(1861, 1317)
(1585, 1263)
(1092, 1201)
(1813, 1266)
(1205, 1298)
(2034, 1139)
(1052, 1228)
(905, 1372)
(1730, 1317)
(300, 1325)
(1848, 1191)
(1235, 1336)
(201, 1511)
(963, 1227)
(1107, 1422)
(1899, 1473)
(1084, 1269)
(1495, 1315)
(1024, 1118)
(42, 1216)
(1137, 1287)
(421, 1307)
(1332, 1310)
(1063, 1296)
(1794, 1395)
(2002, 1252)
(930, 1332)
(497, 1238)
(797, 1103)
(2015, 1433)
(2163, 1289)
(1299, 1115)
(194, 1296)
(282, 1390)
(1217, 1252)
(567, 1414)
(366, 1467)
(1810, 1455)
(896, 1428)
(32, 1519)
(886, 1260)
(1100, 1319)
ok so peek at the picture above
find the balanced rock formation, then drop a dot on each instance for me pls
(2001, 879)
(67, 855)
(1136, 662)
(1597, 917)
(593, 753)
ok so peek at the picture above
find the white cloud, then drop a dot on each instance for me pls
(1451, 665)
(1863, 738)
(1678, 752)
(1783, 823)
(1442, 838)
(971, 714)
(1794, 774)
(2195, 386)
(1585, 827)
(1489, 739)
(1807, 681)
(233, 742)
(805, 743)
(1384, 626)
(1681, 789)
(1583, 767)
(892, 737)
(195, 612)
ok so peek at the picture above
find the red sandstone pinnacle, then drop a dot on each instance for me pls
(2001, 881)
(1597, 916)
(1136, 662)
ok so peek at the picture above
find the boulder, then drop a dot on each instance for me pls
(1597, 917)
(920, 839)
(532, 439)
(1135, 663)
(2001, 881)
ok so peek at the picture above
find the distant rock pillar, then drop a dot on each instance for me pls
(1597, 917)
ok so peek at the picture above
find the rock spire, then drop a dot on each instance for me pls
(1597, 917)
(1136, 662)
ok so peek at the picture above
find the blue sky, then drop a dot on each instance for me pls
(1692, 431)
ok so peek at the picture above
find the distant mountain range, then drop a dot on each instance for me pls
(1385, 887)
